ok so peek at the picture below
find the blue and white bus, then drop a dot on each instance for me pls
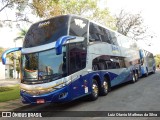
(67, 57)
(148, 64)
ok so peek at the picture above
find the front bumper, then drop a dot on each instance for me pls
(60, 95)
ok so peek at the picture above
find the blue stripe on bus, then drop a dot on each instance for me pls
(79, 91)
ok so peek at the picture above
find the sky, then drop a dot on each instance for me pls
(149, 10)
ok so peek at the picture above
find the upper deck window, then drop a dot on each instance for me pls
(98, 33)
(95, 33)
(46, 31)
(78, 27)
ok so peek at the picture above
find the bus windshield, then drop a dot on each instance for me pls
(43, 66)
(46, 31)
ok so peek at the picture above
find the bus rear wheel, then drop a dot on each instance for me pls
(105, 87)
(133, 78)
(154, 70)
(146, 74)
(136, 76)
(95, 90)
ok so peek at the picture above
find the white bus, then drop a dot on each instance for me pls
(148, 64)
(67, 57)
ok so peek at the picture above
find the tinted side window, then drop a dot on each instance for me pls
(77, 57)
(99, 63)
(117, 64)
(107, 62)
(122, 63)
(107, 36)
(95, 33)
(113, 38)
(78, 27)
(102, 65)
(98, 33)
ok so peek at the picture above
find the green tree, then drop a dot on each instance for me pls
(157, 59)
(50, 8)
(11, 3)
(21, 34)
(86, 8)
(1, 51)
(10, 56)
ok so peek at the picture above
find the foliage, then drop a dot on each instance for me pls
(10, 55)
(157, 59)
(2, 89)
(21, 34)
(11, 58)
(127, 24)
(50, 8)
(1, 51)
(20, 6)
(131, 25)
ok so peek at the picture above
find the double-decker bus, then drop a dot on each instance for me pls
(67, 57)
(148, 64)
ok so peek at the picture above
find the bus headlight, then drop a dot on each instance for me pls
(41, 91)
(38, 92)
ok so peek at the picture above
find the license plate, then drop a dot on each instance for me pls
(39, 101)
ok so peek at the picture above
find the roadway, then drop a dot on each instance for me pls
(143, 95)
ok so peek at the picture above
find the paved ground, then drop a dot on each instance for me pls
(144, 95)
(9, 82)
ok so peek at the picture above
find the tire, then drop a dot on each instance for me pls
(105, 88)
(136, 76)
(133, 78)
(146, 74)
(95, 90)
(154, 70)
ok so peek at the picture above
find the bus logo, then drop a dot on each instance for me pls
(115, 49)
(44, 24)
(79, 23)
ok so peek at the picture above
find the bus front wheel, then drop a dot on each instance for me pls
(95, 90)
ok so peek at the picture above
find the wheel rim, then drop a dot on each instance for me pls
(95, 90)
(133, 77)
(105, 85)
(136, 76)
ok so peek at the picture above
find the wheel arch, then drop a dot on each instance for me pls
(98, 79)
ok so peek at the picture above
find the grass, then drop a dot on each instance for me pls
(9, 93)
(2, 89)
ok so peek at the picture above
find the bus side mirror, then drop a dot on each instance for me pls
(60, 42)
(3, 57)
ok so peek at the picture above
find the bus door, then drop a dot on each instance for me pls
(77, 62)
